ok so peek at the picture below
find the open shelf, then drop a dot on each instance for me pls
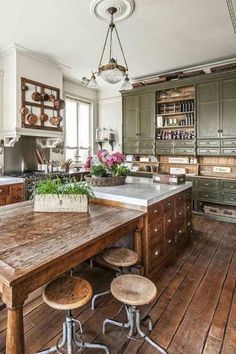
(175, 113)
(176, 127)
(174, 100)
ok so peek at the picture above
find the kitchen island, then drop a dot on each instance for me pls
(36, 248)
(168, 219)
(11, 190)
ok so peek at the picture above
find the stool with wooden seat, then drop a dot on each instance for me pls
(133, 291)
(68, 293)
(120, 258)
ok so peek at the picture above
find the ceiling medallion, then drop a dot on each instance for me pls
(99, 8)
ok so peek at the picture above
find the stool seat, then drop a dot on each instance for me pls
(120, 257)
(132, 289)
(67, 293)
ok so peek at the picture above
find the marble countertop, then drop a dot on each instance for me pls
(4, 180)
(139, 191)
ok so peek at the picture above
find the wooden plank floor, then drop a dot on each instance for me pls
(195, 311)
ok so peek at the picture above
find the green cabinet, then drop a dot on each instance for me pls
(208, 109)
(139, 123)
(216, 118)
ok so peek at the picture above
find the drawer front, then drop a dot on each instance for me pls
(180, 231)
(184, 143)
(169, 222)
(225, 143)
(156, 233)
(4, 190)
(188, 195)
(208, 183)
(179, 198)
(154, 212)
(161, 151)
(228, 151)
(229, 198)
(207, 195)
(130, 147)
(228, 185)
(169, 204)
(208, 152)
(179, 214)
(146, 151)
(2, 201)
(188, 209)
(14, 199)
(208, 143)
(156, 254)
(184, 151)
(164, 144)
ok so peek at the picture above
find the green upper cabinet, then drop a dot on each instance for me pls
(139, 116)
(228, 108)
(131, 114)
(208, 110)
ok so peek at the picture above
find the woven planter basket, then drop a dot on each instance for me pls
(105, 181)
(52, 203)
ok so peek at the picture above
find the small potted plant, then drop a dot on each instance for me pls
(52, 195)
(108, 170)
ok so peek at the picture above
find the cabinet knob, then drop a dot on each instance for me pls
(169, 221)
(188, 223)
(0, 190)
(206, 196)
(180, 232)
(232, 199)
(180, 198)
(155, 211)
(155, 230)
(180, 213)
(232, 187)
(188, 207)
(169, 203)
(156, 253)
(207, 184)
(169, 241)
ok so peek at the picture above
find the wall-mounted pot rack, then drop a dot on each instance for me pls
(42, 106)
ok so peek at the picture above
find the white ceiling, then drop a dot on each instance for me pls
(160, 36)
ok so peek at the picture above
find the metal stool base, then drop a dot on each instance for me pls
(71, 339)
(133, 325)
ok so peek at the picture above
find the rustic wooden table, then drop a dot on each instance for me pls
(38, 247)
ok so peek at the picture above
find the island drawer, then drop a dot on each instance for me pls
(154, 212)
(156, 233)
(16, 190)
(180, 231)
(180, 197)
(179, 213)
(188, 194)
(156, 254)
(2, 200)
(4, 190)
(169, 204)
(188, 208)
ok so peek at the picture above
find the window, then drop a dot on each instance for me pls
(78, 129)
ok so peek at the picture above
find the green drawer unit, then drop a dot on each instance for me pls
(164, 147)
(131, 146)
(206, 195)
(228, 151)
(184, 143)
(208, 151)
(228, 185)
(228, 143)
(164, 143)
(184, 151)
(161, 151)
(146, 147)
(207, 183)
(208, 143)
(228, 198)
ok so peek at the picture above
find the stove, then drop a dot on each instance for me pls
(32, 177)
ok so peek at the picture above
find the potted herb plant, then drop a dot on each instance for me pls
(52, 195)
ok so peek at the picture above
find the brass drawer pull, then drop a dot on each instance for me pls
(180, 232)
(188, 207)
(180, 212)
(232, 199)
(155, 211)
(232, 187)
(169, 221)
(1, 190)
(207, 185)
(169, 203)
(156, 253)
(206, 196)
(155, 230)
(180, 198)
(169, 241)
(189, 223)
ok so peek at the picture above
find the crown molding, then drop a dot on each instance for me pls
(16, 48)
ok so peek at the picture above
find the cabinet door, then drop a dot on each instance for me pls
(130, 119)
(228, 122)
(146, 125)
(208, 121)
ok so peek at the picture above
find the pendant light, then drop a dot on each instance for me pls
(111, 72)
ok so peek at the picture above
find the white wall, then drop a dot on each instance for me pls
(1, 115)
(110, 113)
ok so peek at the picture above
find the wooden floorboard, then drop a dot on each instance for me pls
(194, 313)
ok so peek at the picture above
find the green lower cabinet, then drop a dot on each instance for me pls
(205, 183)
(228, 198)
(208, 195)
(130, 147)
(146, 147)
(184, 151)
(227, 185)
(208, 151)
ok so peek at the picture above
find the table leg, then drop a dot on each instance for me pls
(15, 331)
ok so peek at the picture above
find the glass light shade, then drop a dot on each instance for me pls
(112, 75)
(126, 85)
(92, 83)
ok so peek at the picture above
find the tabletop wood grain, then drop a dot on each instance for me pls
(30, 240)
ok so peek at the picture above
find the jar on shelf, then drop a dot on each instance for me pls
(98, 134)
(104, 134)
